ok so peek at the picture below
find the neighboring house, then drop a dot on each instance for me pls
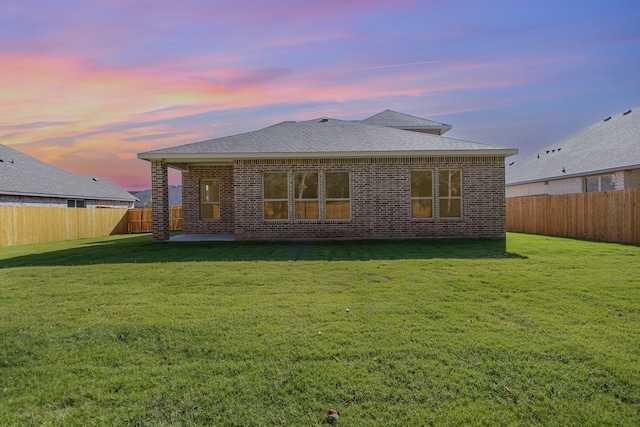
(603, 156)
(389, 176)
(145, 201)
(26, 181)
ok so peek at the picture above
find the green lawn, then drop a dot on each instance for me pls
(121, 331)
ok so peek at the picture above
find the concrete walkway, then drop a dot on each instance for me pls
(203, 238)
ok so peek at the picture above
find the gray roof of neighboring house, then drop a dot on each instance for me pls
(144, 196)
(394, 119)
(608, 145)
(325, 138)
(23, 175)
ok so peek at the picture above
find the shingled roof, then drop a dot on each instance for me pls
(390, 118)
(23, 175)
(609, 145)
(324, 137)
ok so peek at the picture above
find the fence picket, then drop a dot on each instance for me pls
(141, 219)
(604, 215)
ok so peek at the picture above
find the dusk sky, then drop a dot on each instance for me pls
(86, 85)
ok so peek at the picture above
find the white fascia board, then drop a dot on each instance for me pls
(199, 157)
(574, 175)
(64, 196)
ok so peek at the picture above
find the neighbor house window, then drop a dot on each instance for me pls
(75, 204)
(450, 192)
(422, 194)
(305, 187)
(600, 183)
(209, 199)
(337, 195)
(275, 195)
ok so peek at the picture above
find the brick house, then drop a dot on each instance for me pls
(603, 156)
(389, 176)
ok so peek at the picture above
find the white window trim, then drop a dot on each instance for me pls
(276, 200)
(432, 198)
(202, 202)
(327, 199)
(296, 199)
(444, 198)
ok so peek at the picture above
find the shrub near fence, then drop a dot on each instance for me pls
(141, 219)
(605, 215)
(21, 225)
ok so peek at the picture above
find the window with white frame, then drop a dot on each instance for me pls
(450, 193)
(209, 199)
(76, 203)
(422, 193)
(306, 203)
(337, 195)
(275, 195)
(600, 183)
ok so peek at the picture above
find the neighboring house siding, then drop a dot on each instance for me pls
(108, 204)
(32, 201)
(59, 203)
(560, 186)
(632, 179)
(191, 200)
(380, 199)
(622, 180)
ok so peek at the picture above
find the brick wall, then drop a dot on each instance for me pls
(192, 224)
(160, 197)
(380, 199)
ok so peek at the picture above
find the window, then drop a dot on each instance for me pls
(422, 194)
(600, 183)
(450, 193)
(337, 195)
(607, 182)
(75, 204)
(209, 199)
(305, 186)
(275, 195)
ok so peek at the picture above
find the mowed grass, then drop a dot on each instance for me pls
(122, 331)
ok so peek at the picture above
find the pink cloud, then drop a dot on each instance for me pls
(90, 117)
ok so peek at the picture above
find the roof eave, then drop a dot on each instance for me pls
(65, 196)
(191, 157)
(442, 127)
(574, 175)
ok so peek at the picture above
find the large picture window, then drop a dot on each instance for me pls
(305, 186)
(422, 194)
(275, 195)
(209, 199)
(337, 195)
(450, 192)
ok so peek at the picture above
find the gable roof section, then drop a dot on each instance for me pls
(606, 146)
(324, 138)
(390, 118)
(23, 175)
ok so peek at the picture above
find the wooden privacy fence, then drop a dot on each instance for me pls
(141, 219)
(605, 215)
(21, 225)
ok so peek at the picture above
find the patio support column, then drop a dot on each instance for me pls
(160, 200)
